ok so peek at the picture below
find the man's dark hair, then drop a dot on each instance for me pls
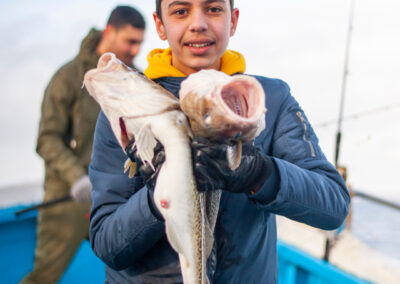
(158, 7)
(124, 15)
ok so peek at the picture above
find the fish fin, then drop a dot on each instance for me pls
(127, 165)
(204, 234)
(212, 199)
(212, 206)
(131, 166)
(190, 133)
(234, 155)
(209, 206)
(145, 143)
(132, 170)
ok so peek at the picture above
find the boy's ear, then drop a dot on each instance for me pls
(159, 26)
(234, 20)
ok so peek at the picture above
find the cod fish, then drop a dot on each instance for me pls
(224, 108)
(136, 107)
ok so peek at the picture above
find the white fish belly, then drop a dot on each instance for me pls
(176, 195)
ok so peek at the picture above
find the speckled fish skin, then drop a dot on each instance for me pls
(137, 107)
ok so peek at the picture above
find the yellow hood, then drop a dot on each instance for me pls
(160, 64)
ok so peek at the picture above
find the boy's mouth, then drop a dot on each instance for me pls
(199, 47)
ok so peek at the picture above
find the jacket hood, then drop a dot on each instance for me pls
(89, 44)
(160, 64)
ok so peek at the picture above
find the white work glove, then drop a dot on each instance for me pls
(81, 190)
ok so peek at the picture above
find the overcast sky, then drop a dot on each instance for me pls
(301, 42)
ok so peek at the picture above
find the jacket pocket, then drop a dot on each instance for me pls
(305, 139)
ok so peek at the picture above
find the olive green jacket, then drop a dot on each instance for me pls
(68, 120)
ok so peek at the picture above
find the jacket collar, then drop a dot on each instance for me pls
(160, 64)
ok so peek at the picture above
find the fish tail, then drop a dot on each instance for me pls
(234, 155)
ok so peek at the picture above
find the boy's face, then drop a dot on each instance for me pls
(197, 31)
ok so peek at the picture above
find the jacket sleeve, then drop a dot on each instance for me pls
(122, 227)
(309, 188)
(54, 130)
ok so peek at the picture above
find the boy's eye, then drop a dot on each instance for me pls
(180, 12)
(215, 9)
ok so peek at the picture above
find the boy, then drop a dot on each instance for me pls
(284, 172)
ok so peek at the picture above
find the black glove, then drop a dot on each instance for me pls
(212, 171)
(146, 172)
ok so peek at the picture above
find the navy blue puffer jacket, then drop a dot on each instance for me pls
(133, 244)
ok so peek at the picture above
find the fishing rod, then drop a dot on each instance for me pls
(344, 83)
(44, 204)
(328, 243)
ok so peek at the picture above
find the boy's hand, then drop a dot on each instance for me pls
(212, 171)
(146, 172)
(148, 175)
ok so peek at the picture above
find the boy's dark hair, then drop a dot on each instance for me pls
(158, 7)
(124, 15)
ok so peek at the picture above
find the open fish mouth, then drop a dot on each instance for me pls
(107, 63)
(104, 61)
(237, 96)
(223, 107)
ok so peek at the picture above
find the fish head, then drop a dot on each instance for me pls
(125, 96)
(109, 85)
(100, 81)
(221, 107)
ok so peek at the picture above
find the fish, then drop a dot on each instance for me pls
(138, 108)
(228, 109)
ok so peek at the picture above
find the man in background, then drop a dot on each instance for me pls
(65, 140)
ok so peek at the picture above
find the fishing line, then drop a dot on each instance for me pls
(358, 115)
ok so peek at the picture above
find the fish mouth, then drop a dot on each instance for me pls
(105, 60)
(109, 62)
(104, 64)
(238, 97)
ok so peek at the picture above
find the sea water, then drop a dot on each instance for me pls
(376, 225)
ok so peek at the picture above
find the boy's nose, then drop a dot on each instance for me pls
(198, 22)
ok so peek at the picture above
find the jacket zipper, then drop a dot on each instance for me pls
(303, 121)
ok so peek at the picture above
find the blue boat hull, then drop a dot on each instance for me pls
(17, 244)
(18, 240)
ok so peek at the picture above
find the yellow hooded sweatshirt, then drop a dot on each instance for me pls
(160, 64)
